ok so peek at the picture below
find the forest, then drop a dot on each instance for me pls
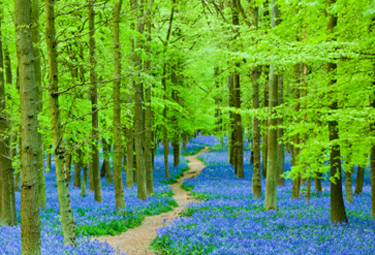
(187, 127)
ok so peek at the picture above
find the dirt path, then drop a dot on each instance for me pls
(135, 241)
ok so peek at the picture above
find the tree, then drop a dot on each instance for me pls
(67, 221)
(30, 227)
(117, 128)
(338, 213)
(7, 204)
(271, 194)
(94, 156)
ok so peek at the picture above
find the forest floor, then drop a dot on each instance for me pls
(136, 241)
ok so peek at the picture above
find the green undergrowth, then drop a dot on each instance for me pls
(192, 152)
(112, 227)
(129, 220)
(174, 177)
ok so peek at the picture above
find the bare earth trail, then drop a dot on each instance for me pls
(135, 241)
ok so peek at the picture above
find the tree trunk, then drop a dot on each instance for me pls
(338, 213)
(94, 157)
(30, 227)
(138, 109)
(117, 137)
(256, 180)
(67, 220)
(77, 169)
(238, 144)
(148, 113)
(130, 162)
(232, 137)
(270, 201)
(296, 138)
(39, 100)
(84, 181)
(280, 145)
(49, 158)
(359, 181)
(265, 136)
(165, 141)
(238, 128)
(318, 182)
(348, 170)
(106, 165)
(7, 207)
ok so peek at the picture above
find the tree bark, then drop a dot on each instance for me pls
(30, 227)
(49, 158)
(270, 202)
(256, 180)
(39, 100)
(138, 109)
(67, 220)
(265, 136)
(359, 181)
(94, 157)
(7, 206)
(148, 113)
(117, 147)
(296, 139)
(84, 181)
(77, 169)
(338, 213)
(348, 170)
(106, 165)
(280, 132)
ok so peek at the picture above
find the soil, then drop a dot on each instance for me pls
(135, 241)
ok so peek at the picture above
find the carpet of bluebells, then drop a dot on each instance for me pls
(95, 219)
(230, 221)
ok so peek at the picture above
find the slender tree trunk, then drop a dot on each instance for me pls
(138, 109)
(106, 165)
(39, 100)
(270, 202)
(130, 162)
(256, 180)
(237, 103)
(280, 132)
(359, 181)
(348, 170)
(84, 181)
(148, 113)
(117, 147)
(296, 138)
(165, 141)
(49, 158)
(338, 213)
(318, 182)
(30, 228)
(265, 136)
(372, 151)
(77, 169)
(238, 128)
(231, 126)
(7, 208)
(67, 220)
(94, 157)
(68, 159)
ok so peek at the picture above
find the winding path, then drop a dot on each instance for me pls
(135, 241)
